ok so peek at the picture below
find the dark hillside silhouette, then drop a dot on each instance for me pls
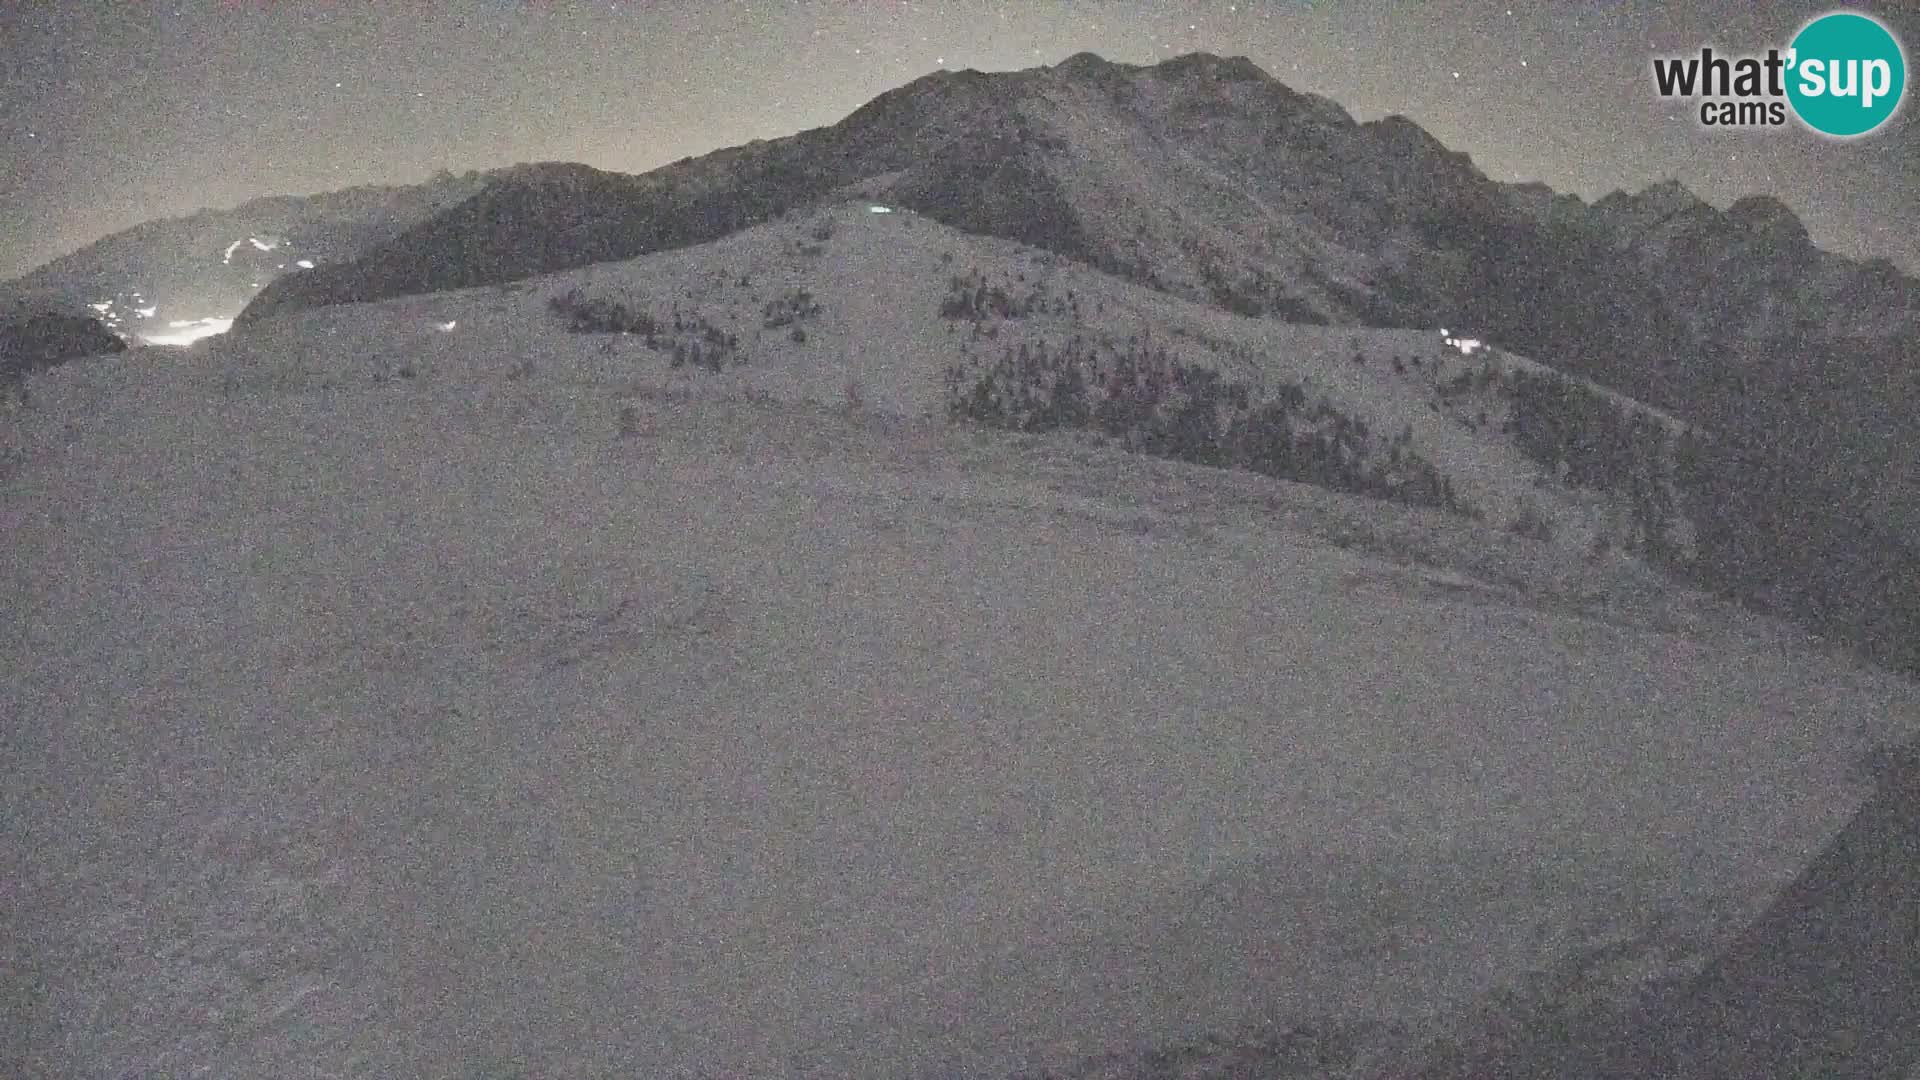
(1824, 985)
(33, 341)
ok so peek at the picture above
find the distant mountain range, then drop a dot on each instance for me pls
(1207, 178)
(1202, 176)
(210, 264)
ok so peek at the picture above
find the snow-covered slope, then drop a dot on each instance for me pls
(420, 688)
(873, 285)
(1207, 178)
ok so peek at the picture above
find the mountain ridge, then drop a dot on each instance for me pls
(210, 263)
(1312, 152)
(1198, 180)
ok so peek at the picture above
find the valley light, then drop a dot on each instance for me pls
(102, 306)
(878, 209)
(146, 312)
(262, 244)
(448, 326)
(227, 257)
(191, 330)
(305, 264)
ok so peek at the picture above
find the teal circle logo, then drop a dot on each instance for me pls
(1847, 74)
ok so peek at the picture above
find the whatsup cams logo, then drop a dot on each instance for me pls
(1844, 74)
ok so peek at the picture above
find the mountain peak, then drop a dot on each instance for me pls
(1230, 68)
(1669, 195)
(1410, 143)
(1764, 213)
(1085, 63)
(1668, 200)
(1093, 69)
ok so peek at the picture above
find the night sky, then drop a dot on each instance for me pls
(117, 111)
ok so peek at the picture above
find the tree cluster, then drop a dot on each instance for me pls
(597, 315)
(969, 296)
(789, 308)
(1156, 404)
(686, 339)
(1769, 530)
(1586, 439)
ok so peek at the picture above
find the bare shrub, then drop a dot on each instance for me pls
(1531, 522)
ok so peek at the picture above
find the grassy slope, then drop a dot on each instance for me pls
(402, 727)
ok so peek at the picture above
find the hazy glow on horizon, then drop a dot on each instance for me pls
(189, 331)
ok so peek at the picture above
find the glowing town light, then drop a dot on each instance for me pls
(305, 264)
(190, 331)
(227, 256)
(876, 208)
(146, 312)
(102, 306)
(447, 327)
(262, 245)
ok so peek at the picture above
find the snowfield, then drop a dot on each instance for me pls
(451, 724)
